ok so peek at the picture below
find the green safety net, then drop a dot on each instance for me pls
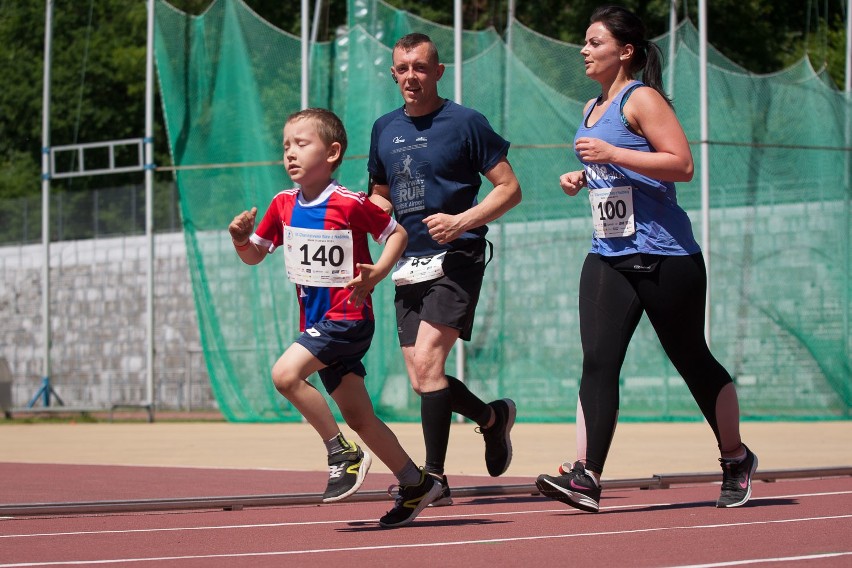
(779, 214)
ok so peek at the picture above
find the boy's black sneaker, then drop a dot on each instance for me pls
(498, 444)
(446, 497)
(736, 480)
(574, 487)
(346, 473)
(410, 500)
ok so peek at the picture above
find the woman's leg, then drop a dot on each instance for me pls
(675, 302)
(609, 314)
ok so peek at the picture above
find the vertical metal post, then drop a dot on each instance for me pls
(306, 75)
(507, 75)
(705, 155)
(306, 70)
(507, 132)
(149, 208)
(45, 189)
(672, 45)
(313, 42)
(315, 23)
(848, 163)
(848, 47)
(457, 50)
(458, 56)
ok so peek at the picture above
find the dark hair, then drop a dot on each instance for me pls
(328, 125)
(627, 28)
(410, 41)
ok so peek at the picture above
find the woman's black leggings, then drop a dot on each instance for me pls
(612, 301)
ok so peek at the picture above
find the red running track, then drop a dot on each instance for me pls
(794, 522)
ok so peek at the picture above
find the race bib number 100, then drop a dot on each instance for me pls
(316, 257)
(612, 211)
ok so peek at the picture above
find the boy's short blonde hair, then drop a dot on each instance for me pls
(329, 128)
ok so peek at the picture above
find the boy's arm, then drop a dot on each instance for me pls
(241, 229)
(372, 274)
(380, 195)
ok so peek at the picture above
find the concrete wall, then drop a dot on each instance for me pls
(98, 291)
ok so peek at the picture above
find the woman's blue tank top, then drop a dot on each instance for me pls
(662, 227)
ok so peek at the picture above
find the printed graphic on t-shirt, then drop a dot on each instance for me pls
(603, 173)
(409, 187)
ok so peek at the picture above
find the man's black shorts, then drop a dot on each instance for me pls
(449, 300)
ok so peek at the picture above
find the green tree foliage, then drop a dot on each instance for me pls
(759, 35)
(20, 99)
(97, 84)
(98, 71)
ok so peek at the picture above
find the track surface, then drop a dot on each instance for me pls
(794, 522)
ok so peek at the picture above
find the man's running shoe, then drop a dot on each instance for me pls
(410, 500)
(346, 473)
(445, 498)
(736, 480)
(574, 487)
(498, 444)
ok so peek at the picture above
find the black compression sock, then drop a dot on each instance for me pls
(436, 413)
(468, 404)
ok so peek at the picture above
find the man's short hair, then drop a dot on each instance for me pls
(410, 41)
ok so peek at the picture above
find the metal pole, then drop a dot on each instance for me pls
(510, 17)
(315, 25)
(149, 208)
(507, 75)
(45, 188)
(848, 245)
(306, 75)
(672, 45)
(314, 33)
(848, 46)
(705, 156)
(457, 45)
(507, 132)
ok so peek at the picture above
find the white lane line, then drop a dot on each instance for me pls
(286, 524)
(415, 545)
(565, 509)
(766, 560)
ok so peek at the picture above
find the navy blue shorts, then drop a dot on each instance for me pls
(340, 345)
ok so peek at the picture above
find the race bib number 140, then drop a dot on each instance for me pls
(612, 211)
(316, 257)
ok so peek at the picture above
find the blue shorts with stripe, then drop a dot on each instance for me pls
(340, 345)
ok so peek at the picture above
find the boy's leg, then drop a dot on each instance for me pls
(289, 375)
(416, 489)
(347, 468)
(357, 410)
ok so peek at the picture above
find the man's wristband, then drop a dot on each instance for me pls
(243, 246)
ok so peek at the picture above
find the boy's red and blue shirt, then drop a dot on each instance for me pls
(337, 208)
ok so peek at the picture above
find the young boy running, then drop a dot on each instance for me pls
(323, 228)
